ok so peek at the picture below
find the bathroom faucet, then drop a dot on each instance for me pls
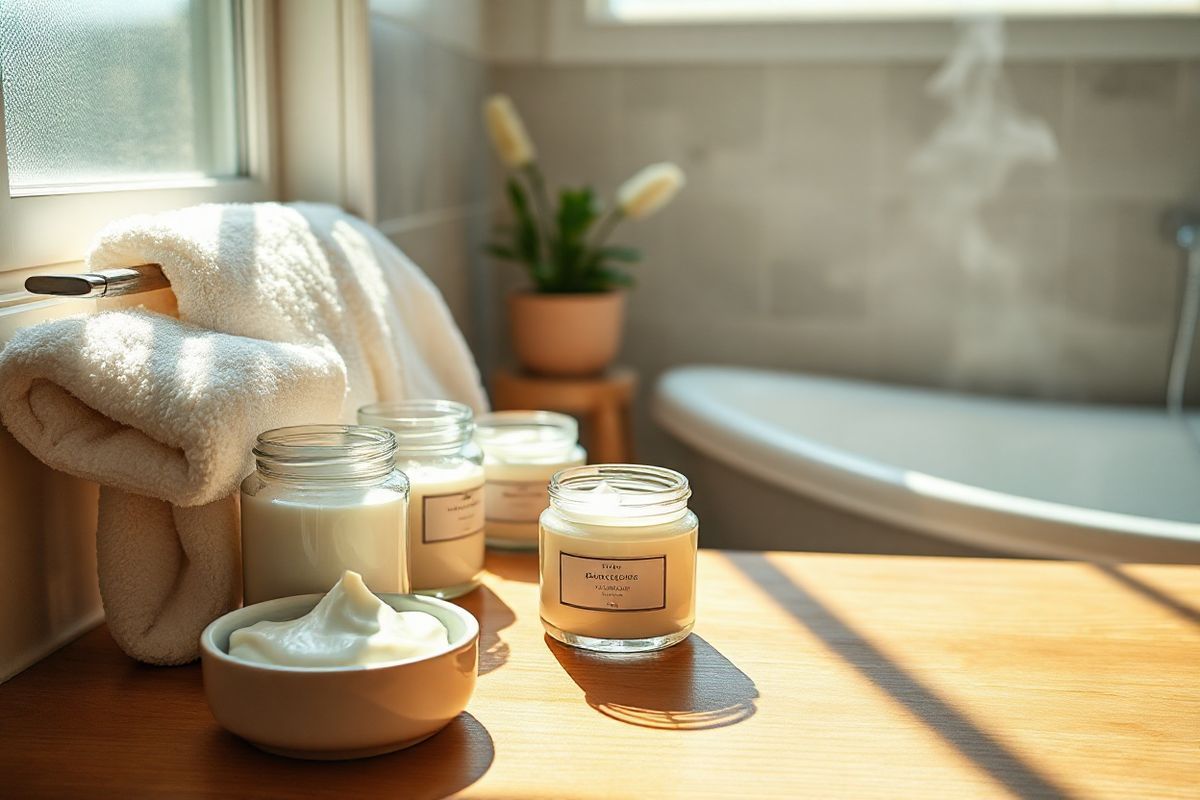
(1182, 225)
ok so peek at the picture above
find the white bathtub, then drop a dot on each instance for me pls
(895, 469)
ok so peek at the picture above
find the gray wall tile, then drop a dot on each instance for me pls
(826, 124)
(1120, 265)
(1132, 131)
(429, 141)
(400, 105)
(573, 116)
(711, 121)
(432, 178)
(701, 255)
(821, 250)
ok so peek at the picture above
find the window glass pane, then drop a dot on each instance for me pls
(99, 91)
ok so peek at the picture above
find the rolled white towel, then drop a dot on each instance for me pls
(145, 403)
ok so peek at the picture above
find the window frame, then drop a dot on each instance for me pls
(41, 233)
(600, 12)
(568, 34)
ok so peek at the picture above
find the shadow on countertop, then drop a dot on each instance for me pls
(494, 615)
(690, 686)
(1177, 607)
(447, 763)
(939, 714)
(514, 565)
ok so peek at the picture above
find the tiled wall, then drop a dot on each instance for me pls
(429, 81)
(795, 246)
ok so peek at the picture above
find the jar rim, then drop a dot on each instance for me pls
(326, 451)
(417, 414)
(319, 441)
(540, 435)
(641, 490)
(422, 426)
(550, 419)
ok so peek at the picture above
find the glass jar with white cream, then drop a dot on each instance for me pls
(323, 499)
(521, 452)
(618, 558)
(446, 500)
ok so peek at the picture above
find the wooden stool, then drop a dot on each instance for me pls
(603, 403)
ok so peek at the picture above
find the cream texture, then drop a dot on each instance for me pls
(349, 627)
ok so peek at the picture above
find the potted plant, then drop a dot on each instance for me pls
(568, 323)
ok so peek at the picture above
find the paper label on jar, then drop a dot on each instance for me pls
(516, 501)
(452, 516)
(612, 584)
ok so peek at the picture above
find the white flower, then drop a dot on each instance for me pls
(508, 132)
(649, 190)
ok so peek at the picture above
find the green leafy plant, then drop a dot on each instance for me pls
(564, 250)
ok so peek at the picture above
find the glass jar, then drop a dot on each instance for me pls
(323, 499)
(618, 558)
(521, 452)
(445, 473)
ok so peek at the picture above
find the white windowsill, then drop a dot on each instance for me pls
(104, 187)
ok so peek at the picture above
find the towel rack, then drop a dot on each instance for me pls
(102, 283)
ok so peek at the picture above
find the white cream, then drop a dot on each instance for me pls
(301, 543)
(350, 626)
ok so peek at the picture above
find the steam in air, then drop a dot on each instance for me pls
(962, 168)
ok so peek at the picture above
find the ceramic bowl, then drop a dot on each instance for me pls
(339, 712)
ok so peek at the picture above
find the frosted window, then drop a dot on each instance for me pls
(103, 91)
(685, 11)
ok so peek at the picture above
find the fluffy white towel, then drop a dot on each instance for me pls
(165, 572)
(306, 273)
(297, 314)
(145, 403)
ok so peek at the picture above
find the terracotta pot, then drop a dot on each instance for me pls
(566, 335)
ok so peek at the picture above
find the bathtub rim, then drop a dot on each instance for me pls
(911, 499)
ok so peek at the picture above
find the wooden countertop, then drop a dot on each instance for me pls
(808, 675)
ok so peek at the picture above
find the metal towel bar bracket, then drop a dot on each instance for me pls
(102, 283)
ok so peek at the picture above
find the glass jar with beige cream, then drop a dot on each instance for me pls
(323, 499)
(618, 558)
(522, 450)
(435, 450)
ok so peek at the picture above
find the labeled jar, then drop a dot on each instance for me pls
(617, 565)
(521, 452)
(323, 499)
(435, 450)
